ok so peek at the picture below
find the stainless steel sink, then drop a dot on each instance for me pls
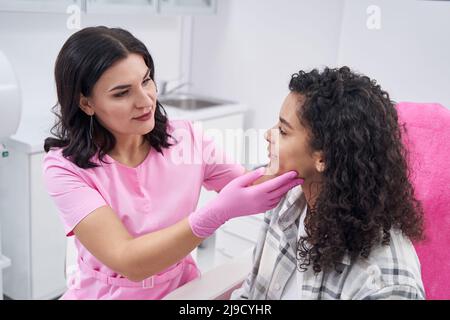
(190, 101)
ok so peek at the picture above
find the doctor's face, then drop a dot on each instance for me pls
(122, 95)
(289, 147)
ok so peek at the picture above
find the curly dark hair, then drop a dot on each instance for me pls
(365, 189)
(84, 57)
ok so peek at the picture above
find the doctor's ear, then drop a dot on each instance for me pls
(85, 106)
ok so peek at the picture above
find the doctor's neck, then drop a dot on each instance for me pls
(129, 146)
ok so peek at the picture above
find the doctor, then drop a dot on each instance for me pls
(115, 175)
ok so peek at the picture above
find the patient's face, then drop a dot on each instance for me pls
(289, 143)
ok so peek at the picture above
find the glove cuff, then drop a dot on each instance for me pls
(205, 221)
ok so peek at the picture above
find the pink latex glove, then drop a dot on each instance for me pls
(240, 198)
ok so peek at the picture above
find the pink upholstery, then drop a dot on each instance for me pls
(428, 141)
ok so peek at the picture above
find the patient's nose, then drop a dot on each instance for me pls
(267, 135)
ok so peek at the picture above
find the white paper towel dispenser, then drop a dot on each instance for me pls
(10, 100)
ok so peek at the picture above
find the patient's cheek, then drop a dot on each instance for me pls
(261, 180)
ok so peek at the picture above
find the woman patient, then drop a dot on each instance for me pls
(346, 232)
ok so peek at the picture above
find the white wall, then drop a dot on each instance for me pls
(250, 49)
(409, 55)
(32, 41)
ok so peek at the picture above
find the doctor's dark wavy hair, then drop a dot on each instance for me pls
(365, 189)
(85, 56)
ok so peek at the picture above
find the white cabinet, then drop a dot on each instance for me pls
(54, 6)
(187, 6)
(221, 247)
(239, 234)
(121, 7)
(32, 234)
(224, 126)
(166, 7)
(5, 262)
(227, 132)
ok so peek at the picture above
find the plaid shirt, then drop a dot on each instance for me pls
(390, 272)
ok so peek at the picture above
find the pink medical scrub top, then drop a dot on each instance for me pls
(159, 192)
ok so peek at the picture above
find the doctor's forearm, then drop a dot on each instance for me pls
(152, 253)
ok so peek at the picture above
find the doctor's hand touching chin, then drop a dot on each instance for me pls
(114, 171)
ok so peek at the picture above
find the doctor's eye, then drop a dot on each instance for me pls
(121, 94)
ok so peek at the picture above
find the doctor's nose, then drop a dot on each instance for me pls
(145, 100)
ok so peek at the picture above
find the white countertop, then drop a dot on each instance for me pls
(32, 131)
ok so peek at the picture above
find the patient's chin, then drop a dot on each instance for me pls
(266, 176)
(274, 169)
(270, 173)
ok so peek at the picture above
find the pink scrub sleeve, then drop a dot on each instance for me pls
(73, 196)
(219, 168)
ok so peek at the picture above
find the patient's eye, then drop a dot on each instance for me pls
(146, 81)
(281, 131)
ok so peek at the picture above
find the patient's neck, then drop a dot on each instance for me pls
(311, 190)
(311, 187)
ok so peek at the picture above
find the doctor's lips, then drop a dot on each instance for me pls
(144, 117)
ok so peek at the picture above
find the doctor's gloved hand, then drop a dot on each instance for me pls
(240, 198)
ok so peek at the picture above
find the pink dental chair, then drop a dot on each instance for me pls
(428, 142)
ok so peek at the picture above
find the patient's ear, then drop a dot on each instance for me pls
(85, 106)
(319, 161)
